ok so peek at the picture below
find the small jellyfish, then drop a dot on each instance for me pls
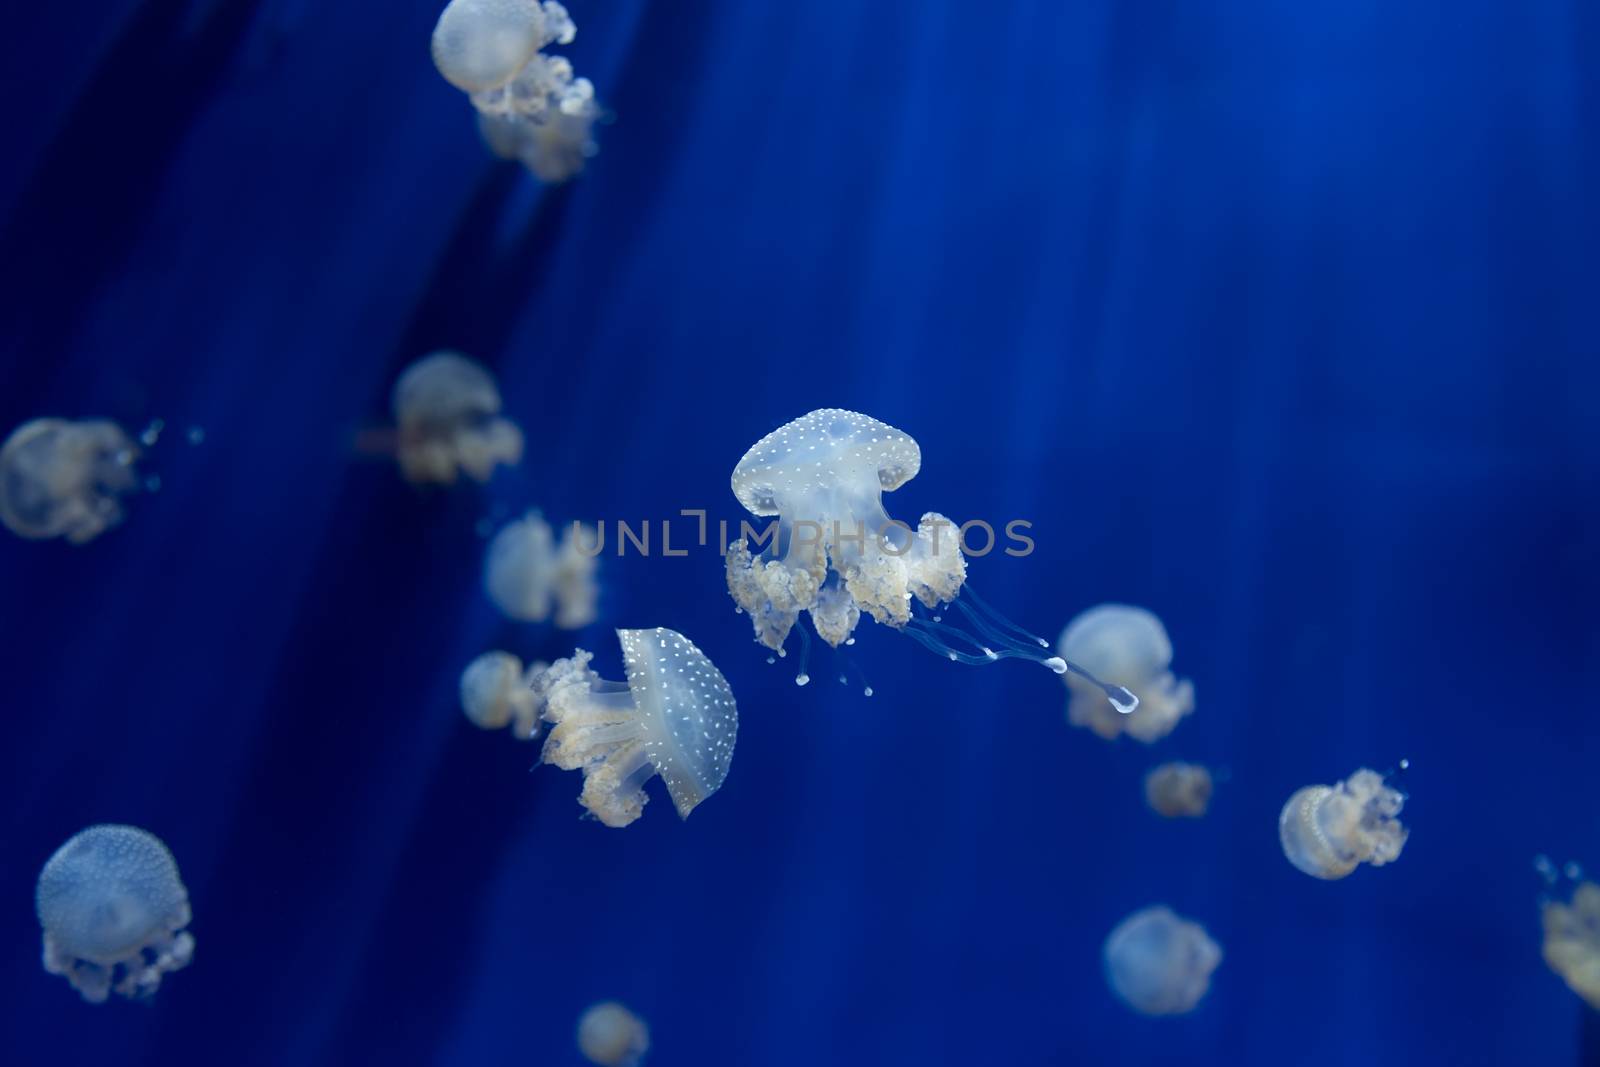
(524, 570)
(675, 716)
(530, 106)
(835, 553)
(1572, 941)
(1328, 831)
(113, 912)
(1159, 963)
(496, 693)
(612, 1036)
(447, 408)
(63, 479)
(1178, 790)
(1128, 647)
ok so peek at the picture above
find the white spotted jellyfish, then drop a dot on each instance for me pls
(1178, 790)
(447, 414)
(496, 692)
(525, 570)
(1572, 940)
(1127, 647)
(612, 1036)
(64, 479)
(530, 106)
(113, 911)
(1159, 963)
(675, 716)
(1327, 831)
(834, 552)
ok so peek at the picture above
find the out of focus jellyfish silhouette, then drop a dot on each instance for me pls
(496, 692)
(113, 912)
(1178, 790)
(612, 1036)
(1572, 941)
(447, 412)
(1159, 963)
(530, 106)
(835, 552)
(64, 479)
(1124, 646)
(525, 570)
(1327, 831)
(675, 716)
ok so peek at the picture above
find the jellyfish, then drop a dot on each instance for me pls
(530, 106)
(1178, 790)
(496, 693)
(1572, 941)
(612, 1036)
(1159, 963)
(525, 570)
(1328, 831)
(447, 408)
(675, 716)
(836, 552)
(1123, 646)
(113, 912)
(64, 479)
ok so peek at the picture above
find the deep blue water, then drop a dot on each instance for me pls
(1279, 319)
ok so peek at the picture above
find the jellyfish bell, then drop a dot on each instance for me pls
(448, 421)
(834, 553)
(496, 692)
(1572, 940)
(612, 1036)
(482, 44)
(1159, 963)
(1178, 790)
(526, 572)
(1327, 831)
(113, 912)
(1127, 647)
(60, 478)
(675, 717)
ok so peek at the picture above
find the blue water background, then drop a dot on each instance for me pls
(1279, 319)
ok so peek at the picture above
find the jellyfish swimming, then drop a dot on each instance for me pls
(530, 106)
(496, 693)
(612, 1036)
(835, 552)
(1124, 646)
(447, 409)
(525, 570)
(1572, 941)
(60, 478)
(1178, 790)
(1159, 963)
(1327, 831)
(113, 911)
(675, 716)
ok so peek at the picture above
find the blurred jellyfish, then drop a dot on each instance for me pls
(675, 716)
(1572, 941)
(837, 553)
(1123, 646)
(525, 569)
(530, 107)
(1159, 963)
(1328, 831)
(63, 479)
(612, 1036)
(447, 408)
(496, 693)
(113, 912)
(1178, 790)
